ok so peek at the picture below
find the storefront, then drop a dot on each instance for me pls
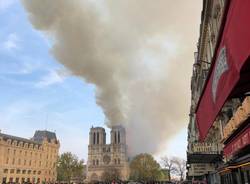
(236, 173)
(237, 154)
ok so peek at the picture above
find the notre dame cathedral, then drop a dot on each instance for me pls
(104, 157)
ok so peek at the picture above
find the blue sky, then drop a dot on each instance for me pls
(38, 93)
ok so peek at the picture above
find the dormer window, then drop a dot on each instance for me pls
(14, 143)
(20, 144)
(26, 145)
(31, 146)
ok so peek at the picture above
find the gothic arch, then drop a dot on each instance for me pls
(94, 177)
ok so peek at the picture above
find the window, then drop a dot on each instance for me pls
(19, 161)
(24, 162)
(34, 172)
(7, 160)
(119, 161)
(97, 138)
(12, 171)
(115, 138)
(39, 172)
(29, 171)
(23, 171)
(93, 162)
(30, 163)
(18, 171)
(5, 171)
(14, 152)
(13, 161)
(118, 137)
(94, 138)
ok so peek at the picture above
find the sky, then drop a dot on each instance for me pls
(40, 92)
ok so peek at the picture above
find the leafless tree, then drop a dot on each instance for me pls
(179, 167)
(168, 163)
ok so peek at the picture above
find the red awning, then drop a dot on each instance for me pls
(229, 75)
(238, 142)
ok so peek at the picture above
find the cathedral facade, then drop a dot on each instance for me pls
(104, 157)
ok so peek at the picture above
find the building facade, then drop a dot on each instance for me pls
(29, 160)
(104, 157)
(220, 103)
(199, 168)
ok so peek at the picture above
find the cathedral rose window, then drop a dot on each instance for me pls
(106, 159)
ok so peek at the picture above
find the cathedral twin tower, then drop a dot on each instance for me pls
(103, 157)
(97, 135)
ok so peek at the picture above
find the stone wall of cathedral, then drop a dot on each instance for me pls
(106, 157)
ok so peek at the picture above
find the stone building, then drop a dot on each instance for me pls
(104, 157)
(220, 102)
(197, 166)
(29, 160)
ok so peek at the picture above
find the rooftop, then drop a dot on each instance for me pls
(19, 139)
(37, 138)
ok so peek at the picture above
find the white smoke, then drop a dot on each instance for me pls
(138, 54)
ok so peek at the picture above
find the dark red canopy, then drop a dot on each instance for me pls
(238, 142)
(229, 75)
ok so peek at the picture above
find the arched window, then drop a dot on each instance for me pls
(97, 139)
(115, 138)
(118, 137)
(94, 138)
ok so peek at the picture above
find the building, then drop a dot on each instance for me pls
(220, 85)
(199, 168)
(29, 160)
(104, 157)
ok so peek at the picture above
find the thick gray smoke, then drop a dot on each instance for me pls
(138, 54)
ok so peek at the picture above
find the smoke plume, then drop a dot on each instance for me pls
(138, 54)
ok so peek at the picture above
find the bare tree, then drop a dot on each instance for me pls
(179, 166)
(168, 164)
